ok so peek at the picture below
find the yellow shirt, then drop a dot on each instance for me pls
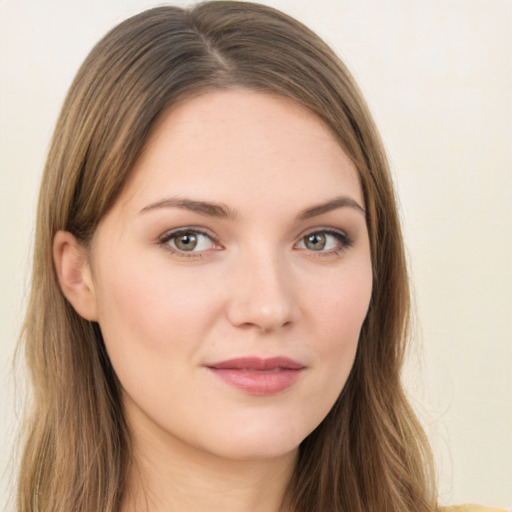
(471, 508)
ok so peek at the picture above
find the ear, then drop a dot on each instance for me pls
(74, 274)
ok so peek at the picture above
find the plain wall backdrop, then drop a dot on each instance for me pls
(438, 77)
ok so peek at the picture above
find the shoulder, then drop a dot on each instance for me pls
(470, 508)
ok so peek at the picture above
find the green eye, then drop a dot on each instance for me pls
(186, 242)
(325, 241)
(315, 241)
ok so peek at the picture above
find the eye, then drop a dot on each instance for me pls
(325, 241)
(188, 241)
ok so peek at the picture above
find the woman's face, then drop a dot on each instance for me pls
(232, 276)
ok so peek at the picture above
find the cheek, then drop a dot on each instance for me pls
(339, 307)
(149, 314)
(337, 313)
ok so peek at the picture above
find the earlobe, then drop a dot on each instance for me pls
(74, 274)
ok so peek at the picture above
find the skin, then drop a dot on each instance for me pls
(251, 287)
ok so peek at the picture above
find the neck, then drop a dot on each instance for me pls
(167, 476)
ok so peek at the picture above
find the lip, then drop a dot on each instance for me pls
(258, 376)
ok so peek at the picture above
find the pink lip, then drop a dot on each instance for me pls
(258, 376)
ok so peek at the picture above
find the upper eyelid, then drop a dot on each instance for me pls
(208, 232)
(171, 233)
(324, 229)
(167, 235)
(344, 239)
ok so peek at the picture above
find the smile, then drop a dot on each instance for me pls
(258, 376)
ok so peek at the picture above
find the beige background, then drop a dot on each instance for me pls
(438, 77)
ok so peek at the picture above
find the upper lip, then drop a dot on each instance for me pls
(257, 364)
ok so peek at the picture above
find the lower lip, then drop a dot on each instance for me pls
(261, 383)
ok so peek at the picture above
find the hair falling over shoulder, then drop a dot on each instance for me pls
(370, 453)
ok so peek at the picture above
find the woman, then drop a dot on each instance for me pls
(219, 302)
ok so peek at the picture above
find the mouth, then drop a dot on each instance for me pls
(258, 376)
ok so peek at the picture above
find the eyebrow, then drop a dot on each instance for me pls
(202, 207)
(222, 211)
(334, 204)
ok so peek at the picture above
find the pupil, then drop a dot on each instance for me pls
(315, 242)
(186, 242)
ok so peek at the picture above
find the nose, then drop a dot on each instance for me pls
(262, 294)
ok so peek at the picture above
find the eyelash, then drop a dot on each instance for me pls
(344, 241)
(170, 235)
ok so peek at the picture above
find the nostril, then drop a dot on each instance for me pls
(249, 314)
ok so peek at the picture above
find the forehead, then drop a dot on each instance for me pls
(241, 146)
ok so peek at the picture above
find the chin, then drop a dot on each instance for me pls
(256, 450)
(269, 442)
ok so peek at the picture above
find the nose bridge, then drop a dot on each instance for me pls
(262, 291)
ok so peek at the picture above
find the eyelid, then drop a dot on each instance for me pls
(164, 239)
(344, 240)
(342, 236)
(167, 235)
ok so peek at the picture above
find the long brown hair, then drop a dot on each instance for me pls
(370, 453)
